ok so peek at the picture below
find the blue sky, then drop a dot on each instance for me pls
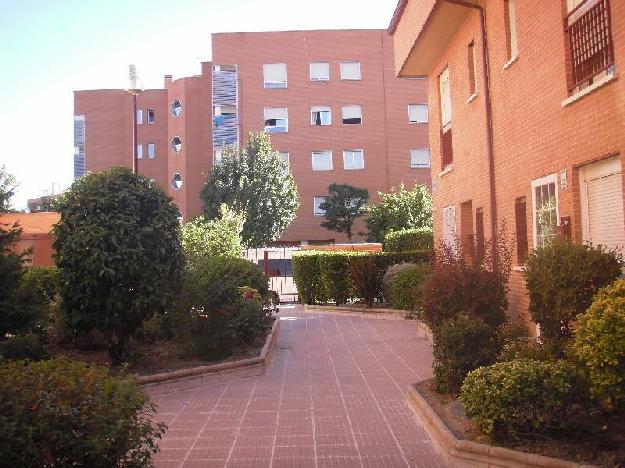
(48, 48)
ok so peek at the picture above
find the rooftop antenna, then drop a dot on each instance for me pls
(132, 75)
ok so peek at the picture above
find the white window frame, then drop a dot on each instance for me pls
(140, 151)
(352, 151)
(445, 98)
(551, 178)
(419, 105)
(272, 83)
(318, 212)
(286, 119)
(153, 112)
(315, 109)
(343, 114)
(323, 78)
(139, 117)
(151, 150)
(326, 152)
(514, 40)
(348, 62)
(420, 166)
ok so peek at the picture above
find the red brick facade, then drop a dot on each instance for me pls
(539, 127)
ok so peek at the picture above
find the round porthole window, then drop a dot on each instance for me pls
(176, 144)
(176, 108)
(176, 181)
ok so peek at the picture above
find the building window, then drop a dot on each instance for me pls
(139, 116)
(217, 157)
(151, 151)
(320, 116)
(520, 218)
(471, 67)
(350, 70)
(417, 113)
(590, 45)
(317, 201)
(447, 155)
(276, 120)
(449, 226)
(322, 160)
(150, 116)
(479, 232)
(176, 181)
(353, 159)
(466, 229)
(352, 115)
(176, 108)
(274, 75)
(139, 151)
(510, 27)
(545, 209)
(285, 156)
(176, 144)
(419, 158)
(319, 71)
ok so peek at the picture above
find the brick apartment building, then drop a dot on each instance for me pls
(330, 100)
(527, 117)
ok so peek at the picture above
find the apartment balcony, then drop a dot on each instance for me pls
(224, 130)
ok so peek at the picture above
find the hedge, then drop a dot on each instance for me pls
(327, 276)
(408, 240)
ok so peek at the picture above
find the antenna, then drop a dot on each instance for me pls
(132, 75)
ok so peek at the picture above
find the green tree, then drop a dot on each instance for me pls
(399, 209)
(255, 181)
(8, 185)
(119, 254)
(218, 237)
(342, 207)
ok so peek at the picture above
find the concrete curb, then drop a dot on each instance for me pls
(256, 365)
(423, 331)
(464, 453)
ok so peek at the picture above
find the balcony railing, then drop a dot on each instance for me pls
(590, 40)
(447, 152)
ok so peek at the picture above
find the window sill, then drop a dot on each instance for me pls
(510, 62)
(472, 98)
(519, 268)
(447, 170)
(420, 167)
(416, 123)
(589, 89)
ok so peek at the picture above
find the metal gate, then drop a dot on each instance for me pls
(276, 262)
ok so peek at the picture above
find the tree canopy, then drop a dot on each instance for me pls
(254, 181)
(342, 207)
(8, 185)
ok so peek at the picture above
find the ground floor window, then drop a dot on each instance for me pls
(545, 209)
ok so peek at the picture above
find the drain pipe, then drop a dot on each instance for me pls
(489, 119)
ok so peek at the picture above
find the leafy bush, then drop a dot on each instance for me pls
(221, 236)
(600, 345)
(518, 344)
(118, 253)
(28, 346)
(389, 276)
(151, 329)
(406, 287)
(307, 277)
(562, 278)
(65, 413)
(462, 344)
(365, 275)
(409, 239)
(43, 280)
(335, 276)
(236, 272)
(399, 209)
(510, 399)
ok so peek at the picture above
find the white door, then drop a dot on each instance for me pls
(602, 203)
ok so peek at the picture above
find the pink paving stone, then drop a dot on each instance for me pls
(333, 396)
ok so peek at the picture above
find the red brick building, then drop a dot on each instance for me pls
(527, 117)
(330, 99)
(36, 235)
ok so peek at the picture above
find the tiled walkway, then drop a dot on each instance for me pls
(332, 397)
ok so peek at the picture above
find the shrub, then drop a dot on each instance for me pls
(236, 272)
(518, 344)
(406, 287)
(600, 345)
(43, 280)
(510, 399)
(562, 278)
(335, 279)
(307, 277)
(462, 344)
(365, 275)
(28, 346)
(221, 236)
(151, 329)
(409, 239)
(399, 209)
(65, 413)
(389, 276)
(118, 253)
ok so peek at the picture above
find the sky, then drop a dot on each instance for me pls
(49, 48)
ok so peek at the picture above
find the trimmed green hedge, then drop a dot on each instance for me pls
(328, 276)
(408, 240)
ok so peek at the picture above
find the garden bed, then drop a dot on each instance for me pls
(462, 442)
